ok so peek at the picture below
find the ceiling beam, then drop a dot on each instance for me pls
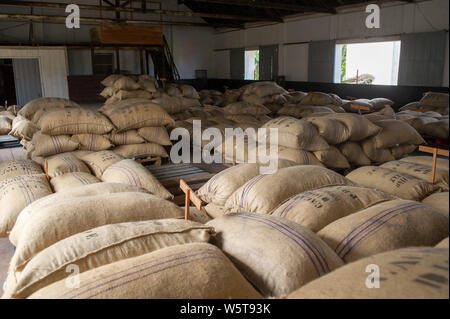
(269, 5)
(44, 18)
(138, 10)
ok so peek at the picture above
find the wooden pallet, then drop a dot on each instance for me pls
(169, 175)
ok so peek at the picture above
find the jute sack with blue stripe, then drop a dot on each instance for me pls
(92, 142)
(409, 273)
(264, 193)
(81, 191)
(160, 275)
(14, 168)
(276, 255)
(16, 193)
(129, 172)
(65, 163)
(47, 145)
(72, 216)
(223, 184)
(72, 179)
(317, 208)
(384, 227)
(127, 137)
(98, 162)
(392, 182)
(101, 246)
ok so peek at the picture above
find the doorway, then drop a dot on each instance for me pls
(7, 85)
(27, 80)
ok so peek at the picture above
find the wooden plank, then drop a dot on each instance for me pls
(114, 34)
(429, 149)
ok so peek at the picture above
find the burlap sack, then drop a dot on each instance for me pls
(374, 154)
(435, 99)
(438, 201)
(317, 208)
(263, 88)
(399, 151)
(439, 129)
(125, 83)
(241, 118)
(47, 103)
(23, 129)
(133, 94)
(107, 92)
(140, 150)
(211, 276)
(14, 168)
(372, 117)
(230, 96)
(74, 121)
(354, 154)
(189, 91)
(333, 131)
(47, 145)
(244, 108)
(380, 103)
(264, 193)
(105, 245)
(116, 104)
(127, 137)
(148, 83)
(157, 135)
(92, 142)
(278, 257)
(136, 115)
(441, 163)
(81, 191)
(16, 193)
(223, 184)
(398, 184)
(384, 227)
(358, 126)
(73, 216)
(296, 133)
(332, 158)
(65, 163)
(395, 133)
(98, 162)
(129, 172)
(317, 98)
(215, 211)
(443, 244)
(298, 156)
(352, 106)
(409, 273)
(5, 125)
(421, 171)
(9, 116)
(420, 121)
(110, 79)
(70, 180)
(171, 104)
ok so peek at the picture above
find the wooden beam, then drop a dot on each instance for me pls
(111, 7)
(43, 18)
(270, 5)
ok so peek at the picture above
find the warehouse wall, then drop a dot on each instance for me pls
(190, 46)
(294, 34)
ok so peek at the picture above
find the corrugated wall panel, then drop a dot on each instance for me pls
(27, 80)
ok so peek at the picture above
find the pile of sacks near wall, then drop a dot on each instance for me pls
(431, 101)
(340, 140)
(285, 218)
(121, 87)
(133, 128)
(7, 117)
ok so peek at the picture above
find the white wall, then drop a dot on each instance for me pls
(52, 67)
(396, 18)
(191, 47)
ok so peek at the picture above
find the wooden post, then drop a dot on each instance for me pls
(46, 169)
(433, 170)
(435, 151)
(191, 197)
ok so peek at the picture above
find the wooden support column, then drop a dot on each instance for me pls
(117, 60)
(141, 60)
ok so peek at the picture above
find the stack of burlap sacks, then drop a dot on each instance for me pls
(293, 232)
(285, 234)
(430, 123)
(7, 117)
(121, 87)
(431, 101)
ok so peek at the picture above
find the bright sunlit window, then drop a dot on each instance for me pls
(252, 65)
(367, 63)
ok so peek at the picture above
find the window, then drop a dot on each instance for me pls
(252, 65)
(103, 64)
(367, 63)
